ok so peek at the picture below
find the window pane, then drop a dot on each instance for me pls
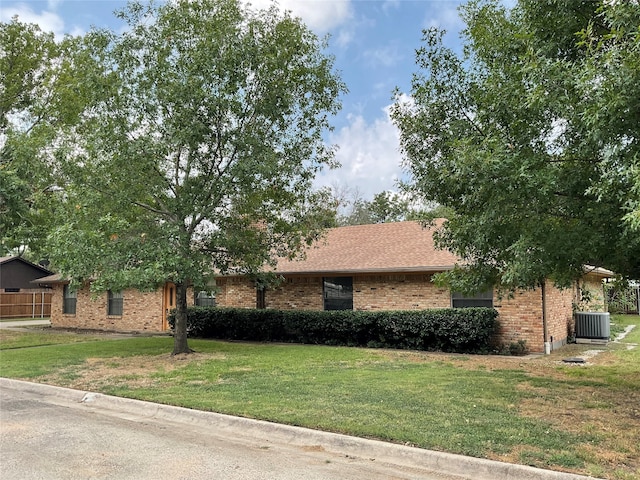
(482, 299)
(69, 306)
(115, 303)
(205, 299)
(69, 301)
(261, 298)
(338, 293)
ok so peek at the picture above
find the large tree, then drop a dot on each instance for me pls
(385, 207)
(38, 95)
(198, 154)
(532, 137)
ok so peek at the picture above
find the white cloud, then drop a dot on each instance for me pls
(319, 15)
(48, 21)
(390, 4)
(344, 37)
(369, 155)
(447, 18)
(383, 57)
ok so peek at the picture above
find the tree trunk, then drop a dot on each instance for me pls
(180, 330)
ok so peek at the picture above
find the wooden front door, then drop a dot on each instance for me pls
(168, 303)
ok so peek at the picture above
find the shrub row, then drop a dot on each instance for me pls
(465, 330)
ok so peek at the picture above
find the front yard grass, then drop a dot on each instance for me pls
(10, 339)
(535, 410)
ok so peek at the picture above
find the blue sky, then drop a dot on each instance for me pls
(373, 41)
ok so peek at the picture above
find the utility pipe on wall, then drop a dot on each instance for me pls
(545, 330)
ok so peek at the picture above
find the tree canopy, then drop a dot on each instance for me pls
(38, 95)
(385, 207)
(531, 137)
(197, 152)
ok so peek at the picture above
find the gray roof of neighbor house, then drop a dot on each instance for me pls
(383, 247)
(17, 272)
(14, 258)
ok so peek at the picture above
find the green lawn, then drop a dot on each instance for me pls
(534, 411)
(10, 339)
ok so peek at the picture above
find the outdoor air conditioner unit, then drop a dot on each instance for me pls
(592, 325)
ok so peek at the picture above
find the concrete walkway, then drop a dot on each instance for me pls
(260, 434)
(36, 322)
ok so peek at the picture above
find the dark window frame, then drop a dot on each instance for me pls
(337, 293)
(69, 300)
(205, 298)
(481, 299)
(261, 298)
(115, 303)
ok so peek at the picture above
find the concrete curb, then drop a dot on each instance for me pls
(446, 463)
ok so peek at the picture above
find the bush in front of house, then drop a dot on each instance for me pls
(464, 330)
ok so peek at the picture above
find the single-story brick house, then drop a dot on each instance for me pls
(389, 266)
(385, 266)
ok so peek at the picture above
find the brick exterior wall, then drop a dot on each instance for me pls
(296, 293)
(520, 315)
(142, 311)
(370, 292)
(235, 292)
(560, 321)
(398, 292)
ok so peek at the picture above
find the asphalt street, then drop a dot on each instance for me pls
(46, 437)
(49, 432)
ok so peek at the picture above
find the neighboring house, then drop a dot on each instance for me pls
(389, 266)
(17, 274)
(20, 294)
(127, 310)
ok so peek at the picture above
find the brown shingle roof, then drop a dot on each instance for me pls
(383, 247)
(55, 278)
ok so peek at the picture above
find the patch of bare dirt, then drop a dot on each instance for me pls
(135, 372)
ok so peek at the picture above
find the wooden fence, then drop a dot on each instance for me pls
(25, 304)
(624, 300)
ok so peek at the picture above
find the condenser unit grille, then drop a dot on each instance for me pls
(594, 325)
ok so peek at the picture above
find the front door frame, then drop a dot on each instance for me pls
(168, 303)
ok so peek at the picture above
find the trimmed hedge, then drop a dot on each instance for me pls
(464, 330)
